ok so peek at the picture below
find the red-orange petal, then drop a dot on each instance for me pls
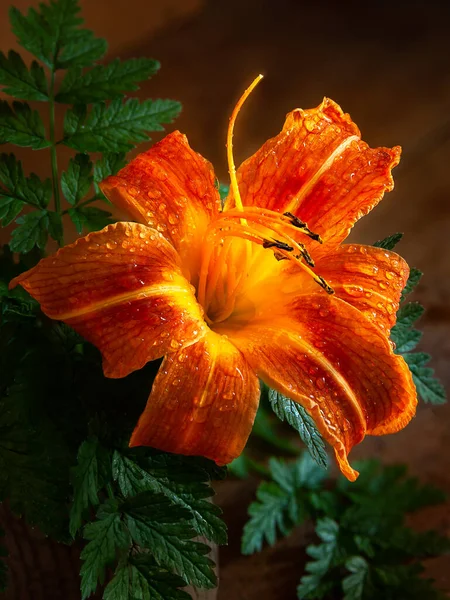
(370, 279)
(326, 355)
(122, 289)
(172, 189)
(203, 402)
(320, 170)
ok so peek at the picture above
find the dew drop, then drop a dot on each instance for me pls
(200, 415)
(390, 275)
(320, 382)
(354, 290)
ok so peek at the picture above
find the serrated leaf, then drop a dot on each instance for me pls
(17, 190)
(428, 386)
(141, 578)
(90, 218)
(108, 165)
(390, 242)
(205, 516)
(82, 50)
(32, 33)
(405, 338)
(74, 119)
(417, 358)
(414, 277)
(353, 585)
(324, 555)
(20, 82)
(294, 414)
(409, 313)
(402, 334)
(156, 524)
(105, 82)
(52, 34)
(76, 181)
(21, 126)
(32, 231)
(89, 476)
(105, 536)
(266, 516)
(419, 544)
(118, 126)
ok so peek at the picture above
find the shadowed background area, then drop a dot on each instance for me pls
(388, 65)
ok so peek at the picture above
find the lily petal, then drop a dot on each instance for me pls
(122, 289)
(318, 169)
(203, 402)
(370, 279)
(172, 189)
(326, 355)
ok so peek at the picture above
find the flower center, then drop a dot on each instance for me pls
(229, 243)
(226, 263)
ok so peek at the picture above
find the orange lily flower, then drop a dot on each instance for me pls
(262, 287)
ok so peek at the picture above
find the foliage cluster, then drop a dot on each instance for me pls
(64, 461)
(365, 549)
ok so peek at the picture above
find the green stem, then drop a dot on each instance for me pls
(93, 199)
(54, 159)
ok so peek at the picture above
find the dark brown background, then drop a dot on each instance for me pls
(388, 64)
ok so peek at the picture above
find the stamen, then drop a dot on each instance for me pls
(231, 166)
(275, 224)
(302, 225)
(287, 219)
(277, 244)
(317, 278)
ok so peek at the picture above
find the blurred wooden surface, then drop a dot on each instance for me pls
(388, 64)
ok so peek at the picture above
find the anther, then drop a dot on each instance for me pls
(306, 255)
(277, 244)
(302, 225)
(321, 281)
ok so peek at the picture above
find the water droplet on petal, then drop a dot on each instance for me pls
(320, 382)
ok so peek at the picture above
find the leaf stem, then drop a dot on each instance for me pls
(54, 159)
(89, 201)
